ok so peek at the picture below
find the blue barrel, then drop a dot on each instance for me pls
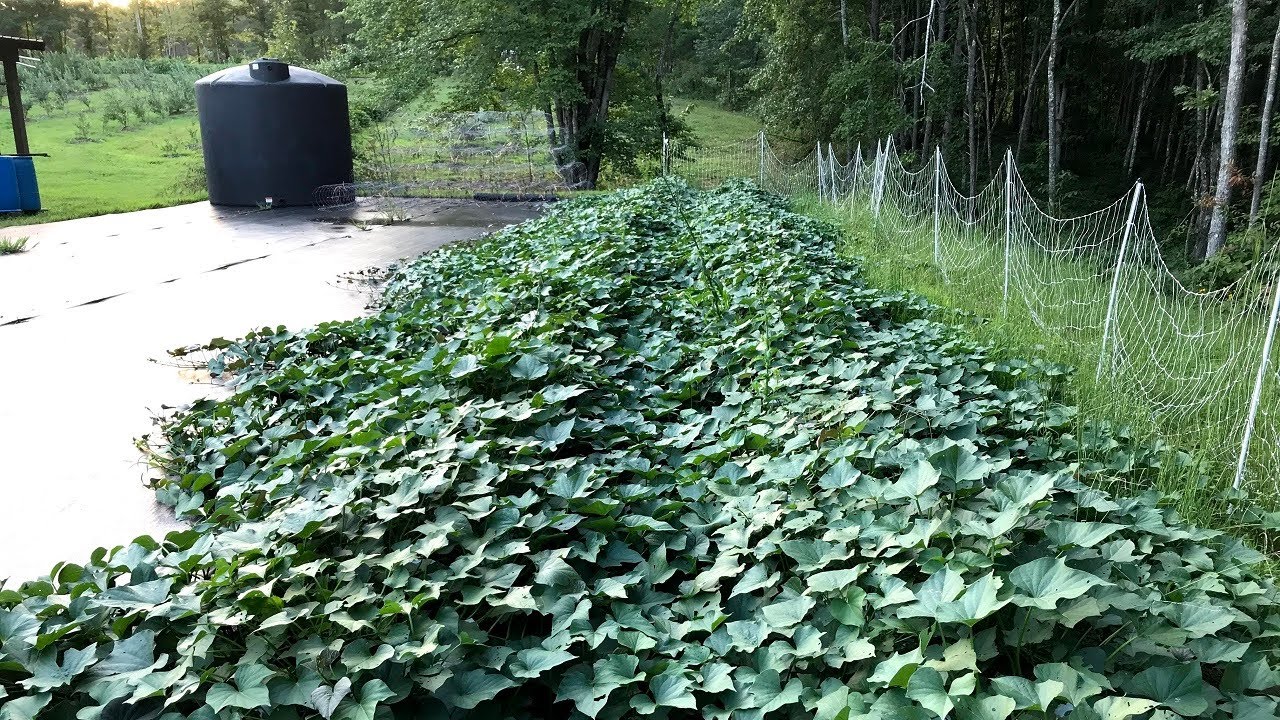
(28, 188)
(10, 200)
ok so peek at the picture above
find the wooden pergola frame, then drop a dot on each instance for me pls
(9, 50)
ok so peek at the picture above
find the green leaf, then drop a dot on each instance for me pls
(1178, 687)
(716, 678)
(616, 671)
(248, 693)
(1080, 534)
(769, 694)
(464, 366)
(1119, 708)
(373, 692)
(138, 596)
(850, 609)
(24, 708)
(1046, 581)
(841, 475)
(940, 589)
(468, 689)
(927, 689)
(532, 662)
(753, 579)
(786, 613)
(832, 580)
(552, 435)
(49, 674)
(529, 367)
(960, 465)
(1255, 708)
(896, 671)
(995, 707)
(672, 689)
(18, 627)
(978, 602)
(326, 699)
(960, 655)
(358, 657)
(1199, 619)
(1078, 685)
(834, 705)
(1028, 694)
(747, 635)
(913, 482)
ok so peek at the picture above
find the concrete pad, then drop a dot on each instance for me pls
(87, 318)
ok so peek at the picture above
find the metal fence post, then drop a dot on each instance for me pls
(1256, 401)
(877, 181)
(822, 187)
(857, 168)
(937, 207)
(1008, 225)
(1109, 323)
(666, 155)
(762, 151)
(831, 173)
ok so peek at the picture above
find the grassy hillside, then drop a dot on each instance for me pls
(713, 125)
(121, 135)
(152, 165)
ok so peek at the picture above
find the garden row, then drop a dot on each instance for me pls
(660, 452)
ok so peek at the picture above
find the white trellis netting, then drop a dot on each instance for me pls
(1200, 365)
(456, 155)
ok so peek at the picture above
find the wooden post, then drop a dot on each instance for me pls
(21, 146)
(9, 49)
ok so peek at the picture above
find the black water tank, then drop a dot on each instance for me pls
(272, 131)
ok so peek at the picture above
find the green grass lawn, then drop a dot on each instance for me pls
(714, 125)
(155, 164)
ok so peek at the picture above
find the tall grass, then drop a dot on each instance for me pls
(1200, 465)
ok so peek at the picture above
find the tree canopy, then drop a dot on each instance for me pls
(1089, 94)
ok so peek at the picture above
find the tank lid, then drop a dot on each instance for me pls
(269, 70)
(264, 71)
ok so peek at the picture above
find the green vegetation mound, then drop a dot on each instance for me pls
(657, 453)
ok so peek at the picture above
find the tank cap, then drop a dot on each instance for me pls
(269, 70)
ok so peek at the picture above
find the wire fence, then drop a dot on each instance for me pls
(1197, 367)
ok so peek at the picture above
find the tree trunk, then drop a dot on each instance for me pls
(1131, 153)
(873, 19)
(844, 21)
(1230, 123)
(987, 96)
(1053, 102)
(1200, 180)
(1028, 102)
(1264, 140)
(970, 81)
(582, 118)
(957, 52)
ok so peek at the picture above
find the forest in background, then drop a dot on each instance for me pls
(1089, 95)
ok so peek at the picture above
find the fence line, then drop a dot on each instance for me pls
(1197, 365)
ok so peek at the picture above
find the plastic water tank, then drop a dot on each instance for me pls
(28, 189)
(10, 201)
(272, 133)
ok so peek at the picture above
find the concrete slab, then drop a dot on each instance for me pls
(88, 315)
